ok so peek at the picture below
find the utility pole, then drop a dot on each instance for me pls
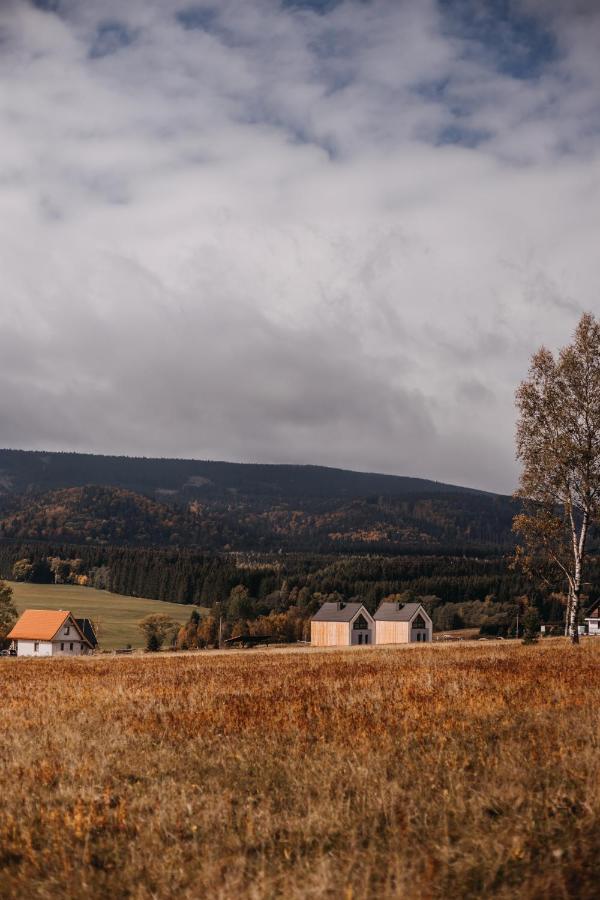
(517, 623)
(220, 630)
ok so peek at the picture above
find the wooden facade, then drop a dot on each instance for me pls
(392, 633)
(329, 634)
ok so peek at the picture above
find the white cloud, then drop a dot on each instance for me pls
(255, 241)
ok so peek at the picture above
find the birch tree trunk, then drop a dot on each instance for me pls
(568, 611)
(573, 617)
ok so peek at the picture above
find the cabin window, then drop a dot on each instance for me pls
(366, 638)
(418, 622)
(71, 646)
(36, 646)
(67, 629)
(360, 623)
(62, 646)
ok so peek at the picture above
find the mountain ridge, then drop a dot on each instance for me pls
(22, 470)
(220, 506)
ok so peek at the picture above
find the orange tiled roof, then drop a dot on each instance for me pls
(38, 624)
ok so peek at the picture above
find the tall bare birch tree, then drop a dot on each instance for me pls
(558, 444)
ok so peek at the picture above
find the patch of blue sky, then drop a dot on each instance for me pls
(319, 6)
(515, 43)
(111, 36)
(462, 136)
(197, 18)
(435, 89)
(206, 19)
(47, 5)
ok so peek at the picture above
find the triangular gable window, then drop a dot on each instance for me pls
(360, 622)
(418, 622)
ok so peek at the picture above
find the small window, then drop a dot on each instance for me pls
(36, 646)
(67, 629)
(71, 646)
(62, 646)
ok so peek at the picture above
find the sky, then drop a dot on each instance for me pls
(310, 232)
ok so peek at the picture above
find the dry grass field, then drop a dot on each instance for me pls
(438, 772)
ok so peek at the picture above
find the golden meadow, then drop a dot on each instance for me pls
(437, 772)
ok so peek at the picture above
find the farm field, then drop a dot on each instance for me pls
(433, 772)
(117, 615)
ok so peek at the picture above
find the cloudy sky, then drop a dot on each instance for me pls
(318, 231)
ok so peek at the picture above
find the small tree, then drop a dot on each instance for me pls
(558, 443)
(156, 628)
(208, 631)
(531, 625)
(239, 605)
(8, 611)
(22, 570)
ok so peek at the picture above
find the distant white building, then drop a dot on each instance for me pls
(592, 620)
(47, 632)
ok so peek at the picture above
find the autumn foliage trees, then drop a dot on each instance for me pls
(558, 444)
(8, 612)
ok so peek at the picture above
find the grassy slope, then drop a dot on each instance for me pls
(433, 772)
(117, 615)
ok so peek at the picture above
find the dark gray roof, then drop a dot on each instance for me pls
(396, 612)
(331, 612)
(88, 630)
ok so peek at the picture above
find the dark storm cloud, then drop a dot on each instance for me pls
(321, 232)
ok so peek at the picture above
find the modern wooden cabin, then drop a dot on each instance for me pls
(342, 625)
(402, 623)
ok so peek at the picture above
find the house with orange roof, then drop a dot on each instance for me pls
(49, 632)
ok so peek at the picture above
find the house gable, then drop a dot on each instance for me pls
(70, 631)
(421, 615)
(363, 613)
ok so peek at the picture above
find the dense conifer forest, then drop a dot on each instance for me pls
(458, 591)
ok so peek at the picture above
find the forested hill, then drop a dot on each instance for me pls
(218, 506)
(37, 471)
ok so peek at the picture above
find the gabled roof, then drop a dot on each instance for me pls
(41, 625)
(338, 612)
(397, 612)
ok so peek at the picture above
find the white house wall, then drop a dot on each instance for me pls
(51, 648)
(63, 648)
(27, 648)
